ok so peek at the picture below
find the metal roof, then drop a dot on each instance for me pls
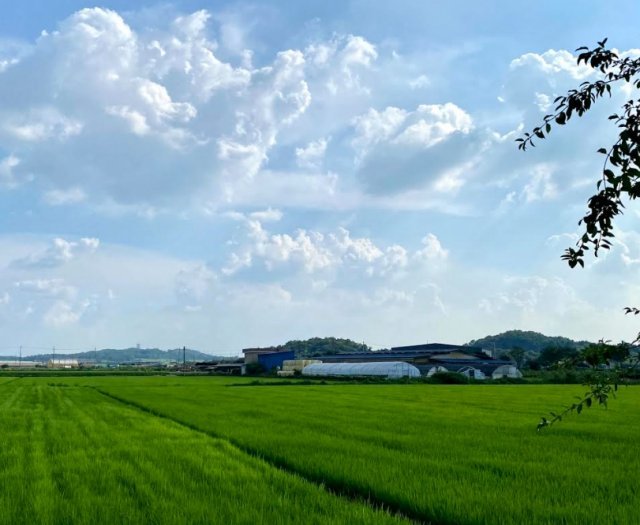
(390, 369)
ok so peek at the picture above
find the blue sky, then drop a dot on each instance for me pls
(230, 174)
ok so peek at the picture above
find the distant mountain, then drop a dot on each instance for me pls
(128, 355)
(526, 340)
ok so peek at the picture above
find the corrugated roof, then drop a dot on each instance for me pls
(390, 369)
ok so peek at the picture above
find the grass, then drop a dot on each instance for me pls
(451, 454)
(72, 455)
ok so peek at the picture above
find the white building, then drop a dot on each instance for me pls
(63, 363)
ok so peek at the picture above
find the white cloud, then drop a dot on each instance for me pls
(552, 62)
(194, 284)
(104, 87)
(61, 314)
(377, 126)
(59, 252)
(312, 155)
(541, 185)
(268, 215)
(47, 287)
(419, 82)
(528, 295)
(432, 250)
(8, 178)
(431, 124)
(64, 197)
(41, 124)
(316, 252)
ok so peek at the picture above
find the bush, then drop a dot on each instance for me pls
(255, 369)
(448, 378)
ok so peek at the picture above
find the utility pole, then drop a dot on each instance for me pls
(184, 358)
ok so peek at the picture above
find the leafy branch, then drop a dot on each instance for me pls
(621, 168)
(612, 365)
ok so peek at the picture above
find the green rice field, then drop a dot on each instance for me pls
(220, 450)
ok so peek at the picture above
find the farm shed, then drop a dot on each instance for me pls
(251, 355)
(275, 359)
(389, 369)
(63, 363)
(506, 371)
(19, 364)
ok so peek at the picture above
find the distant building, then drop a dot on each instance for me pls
(20, 364)
(389, 369)
(432, 358)
(275, 359)
(63, 363)
(251, 354)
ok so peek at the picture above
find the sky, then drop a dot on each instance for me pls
(222, 175)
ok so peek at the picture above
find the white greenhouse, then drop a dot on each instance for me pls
(389, 369)
(436, 370)
(506, 371)
(472, 373)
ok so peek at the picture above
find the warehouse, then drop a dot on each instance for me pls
(275, 360)
(389, 369)
(63, 363)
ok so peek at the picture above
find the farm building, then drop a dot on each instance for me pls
(436, 357)
(291, 367)
(63, 363)
(389, 369)
(19, 364)
(251, 355)
(275, 359)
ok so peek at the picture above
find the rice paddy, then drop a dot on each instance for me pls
(189, 450)
(72, 455)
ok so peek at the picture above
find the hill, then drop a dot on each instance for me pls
(526, 340)
(317, 346)
(129, 355)
(325, 346)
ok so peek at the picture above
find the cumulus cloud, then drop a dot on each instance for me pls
(432, 249)
(312, 155)
(316, 252)
(58, 253)
(150, 117)
(398, 150)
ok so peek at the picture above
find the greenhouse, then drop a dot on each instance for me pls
(436, 370)
(389, 369)
(506, 371)
(472, 373)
